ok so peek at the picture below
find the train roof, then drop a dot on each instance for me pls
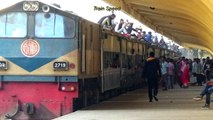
(187, 22)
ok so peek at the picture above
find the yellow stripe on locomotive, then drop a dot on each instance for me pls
(48, 69)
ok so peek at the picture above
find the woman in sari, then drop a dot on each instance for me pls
(185, 73)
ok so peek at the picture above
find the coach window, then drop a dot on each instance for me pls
(13, 24)
(51, 25)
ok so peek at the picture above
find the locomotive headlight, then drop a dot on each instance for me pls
(30, 6)
(26, 6)
(72, 88)
(68, 88)
(3, 65)
(63, 88)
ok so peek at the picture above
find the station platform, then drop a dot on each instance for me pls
(174, 104)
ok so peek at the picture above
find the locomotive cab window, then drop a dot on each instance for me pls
(10, 24)
(49, 25)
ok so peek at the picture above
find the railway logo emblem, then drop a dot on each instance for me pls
(30, 48)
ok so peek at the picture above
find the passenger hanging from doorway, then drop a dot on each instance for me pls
(152, 72)
(107, 22)
(206, 91)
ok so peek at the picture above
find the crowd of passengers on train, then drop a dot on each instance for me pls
(125, 28)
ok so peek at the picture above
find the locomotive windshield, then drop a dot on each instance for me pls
(53, 25)
(13, 24)
(47, 25)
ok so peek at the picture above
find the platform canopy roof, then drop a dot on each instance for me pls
(187, 22)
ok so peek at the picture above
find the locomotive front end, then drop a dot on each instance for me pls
(38, 61)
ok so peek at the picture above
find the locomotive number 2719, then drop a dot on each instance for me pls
(60, 65)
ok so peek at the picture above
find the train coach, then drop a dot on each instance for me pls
(53, 62)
